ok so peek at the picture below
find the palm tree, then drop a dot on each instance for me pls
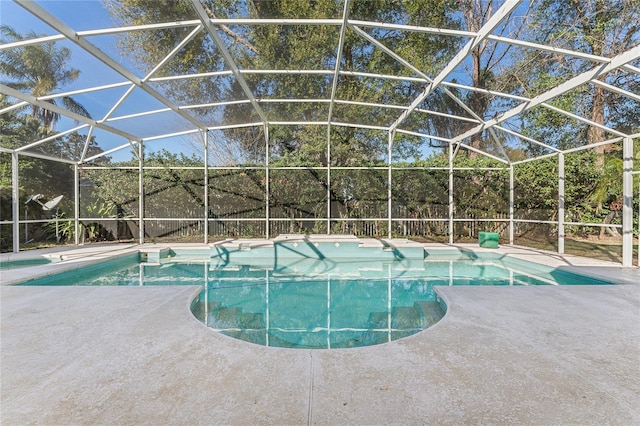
(39, 69)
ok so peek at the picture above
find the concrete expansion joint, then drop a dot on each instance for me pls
(311, 378)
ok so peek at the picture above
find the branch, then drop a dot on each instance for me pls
(230, 32)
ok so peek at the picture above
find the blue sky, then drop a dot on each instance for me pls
(87, 15)
(91, 14)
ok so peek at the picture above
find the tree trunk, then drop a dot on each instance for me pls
(597, 134)
(475, 13)
(595, 34)
(476, 101)
(607, 220)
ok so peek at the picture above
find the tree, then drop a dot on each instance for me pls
(35, 175)
(14, 129)
(293, 47)
(40, 69)
(603, 28)
(487, 58)
(287, 47)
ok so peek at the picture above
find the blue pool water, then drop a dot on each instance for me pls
(24, 263)
(316, 302)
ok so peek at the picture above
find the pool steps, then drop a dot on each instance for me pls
(154, 254)
(319, 247)
(251, 326)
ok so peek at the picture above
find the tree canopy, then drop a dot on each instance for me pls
(326, 111)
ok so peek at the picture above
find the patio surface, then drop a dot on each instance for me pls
(501, 355)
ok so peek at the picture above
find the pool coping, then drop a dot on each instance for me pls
(76, 256)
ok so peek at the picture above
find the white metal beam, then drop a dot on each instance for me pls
(138, 114)
(470, 34)
(526, 138)
(561, 200)
(627, 202)
(213, 32)
(100, 32)
(274, 21)
(368, 104)
(586, 77)
(6, 90)
(23, 43)
(35, 154)
(143, 27)
(336, 71)
(484, 32)
(166, 59)
(299, 123)
(216, 104)
(14, 106)
(86, 145)
(451, 116)
(188, 76)
(412, 28)
(500, 145)
(51, 138)
(617, 90)
(236, 126)
(484, 153)
(15, 200)
(592, 145)
(423, 135)
(129, 144)
(293, 100)
(404, 62)
(170, 135)
(83, 91)
(630, 68)
(485, 91)
(422, 80)
(582, 119)
(291, 72)
(551, 49)
(539, 157)
(72, 36)
(174, 52)
(389, 52)
(118, 103)
(359, 126)
(544, 104)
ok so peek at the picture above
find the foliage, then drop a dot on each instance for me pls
(289, 47)
(64, 228)
(486, 58)
(356, 186)
(39, 69)
(599, 27)
(37, 175)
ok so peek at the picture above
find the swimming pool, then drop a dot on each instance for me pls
(316, 295)
(25, 263)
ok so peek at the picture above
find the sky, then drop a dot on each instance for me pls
(91, 14)
(88, 15)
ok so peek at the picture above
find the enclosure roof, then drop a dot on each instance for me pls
(131, 96)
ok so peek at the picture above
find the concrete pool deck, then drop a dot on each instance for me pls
(501, 355)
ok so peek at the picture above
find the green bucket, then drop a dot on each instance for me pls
(488, 239)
